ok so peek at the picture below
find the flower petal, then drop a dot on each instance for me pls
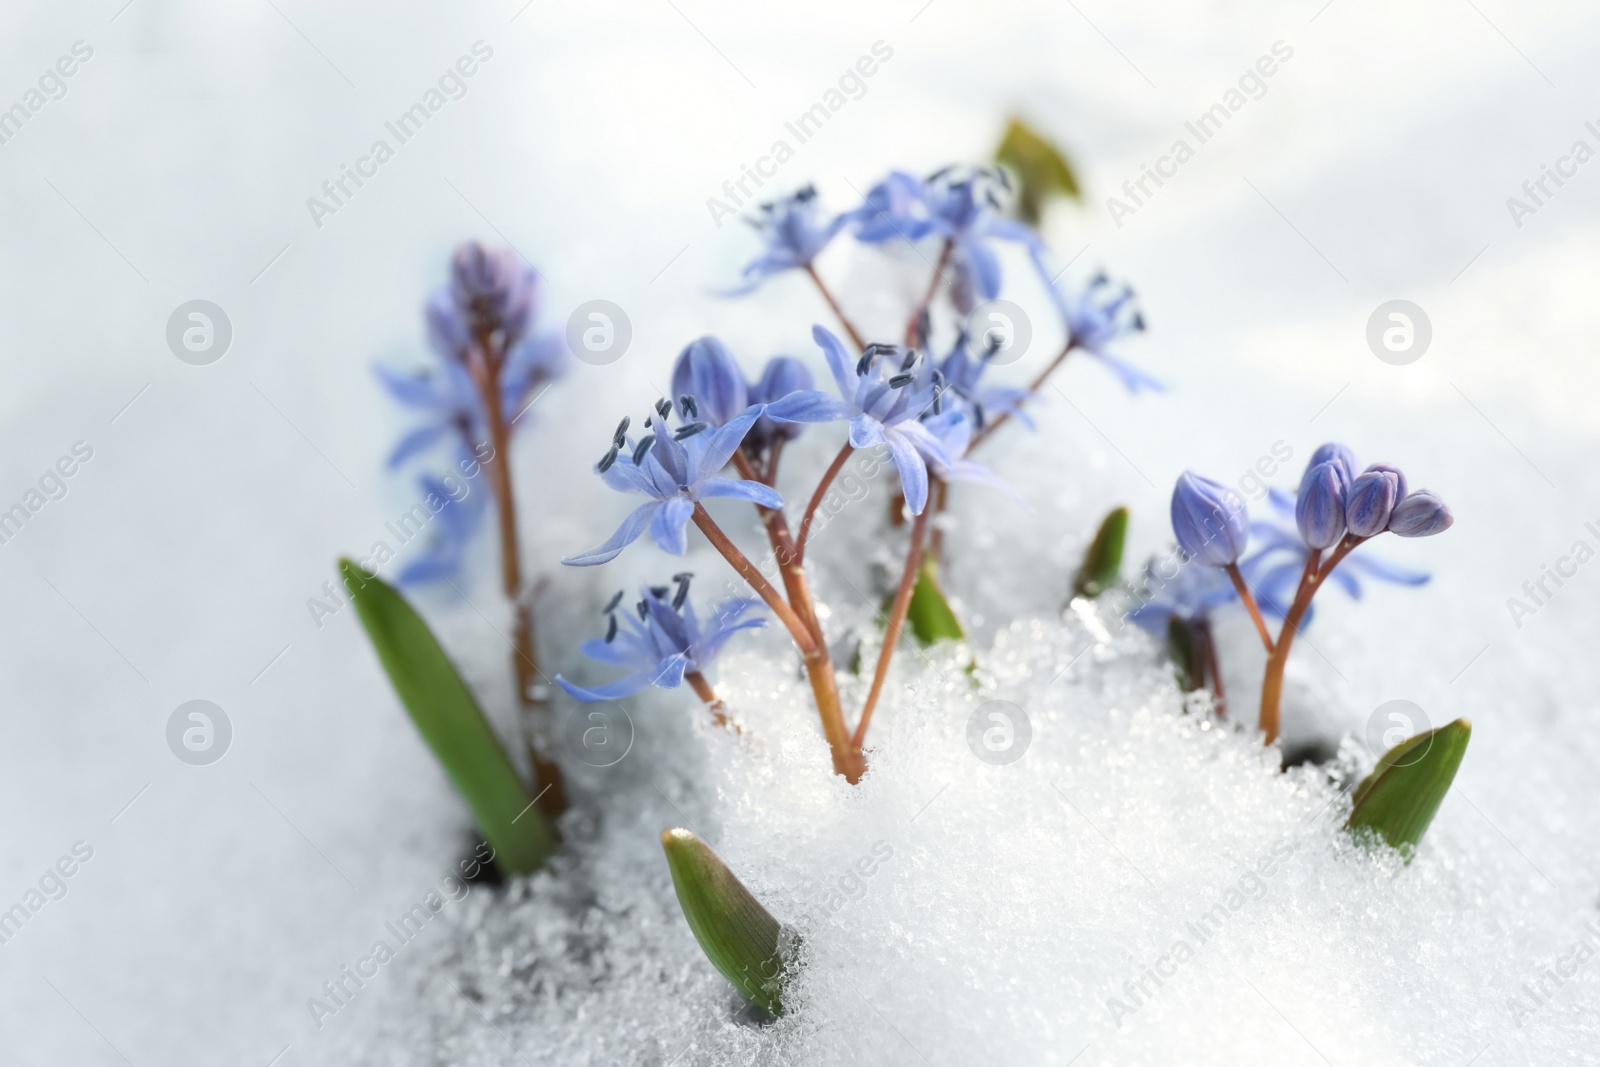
(913, 471)
(808, 405)
(418, 440)
(755, 492)
(844, 374)
(865, 431)
(668, 527)
(721, 443)
(626, 534)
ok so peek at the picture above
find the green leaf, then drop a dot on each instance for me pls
(1399, 798)
(738, 935)
(450, 721)
(1187, 654)
(1041, 170)
(1102, 563)
(929, 616)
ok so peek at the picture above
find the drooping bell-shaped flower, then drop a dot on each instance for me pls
(706, 370)
(1210, 520)
(781, 376)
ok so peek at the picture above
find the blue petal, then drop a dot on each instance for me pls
(626, 534)
(808, 405)
(668, 527)
(668, 675)
(984, 266)
(418, 440)
(614, 652)
(913, 471)
(844, 373)
(755, 492)
(412, 390)
(865, 431)
(715, 448)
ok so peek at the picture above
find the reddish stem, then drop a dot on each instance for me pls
(816, 500)
(897, 618)
(713, 702)
(1250, 603)
(838, 312)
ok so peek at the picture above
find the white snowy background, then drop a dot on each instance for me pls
(179, 563)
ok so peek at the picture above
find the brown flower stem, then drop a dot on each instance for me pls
(816, 501)
(897, 618)
(1033, 387)
(1250, 604)
(783, 553)
(713, 702)
(813, 653)
(933, 289)
(838, 312)
(1311, 580)
(485, 370)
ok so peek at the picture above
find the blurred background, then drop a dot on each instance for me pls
(207, 502)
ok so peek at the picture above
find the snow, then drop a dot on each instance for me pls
(1017, 900)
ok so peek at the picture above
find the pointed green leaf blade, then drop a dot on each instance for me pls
(737, 934)
(450, 721)
(1400, 797)
(929, 616)
(1041, 170)
(1102, 563)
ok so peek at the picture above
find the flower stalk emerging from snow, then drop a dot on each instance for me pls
(1335, 511)
(494, 366)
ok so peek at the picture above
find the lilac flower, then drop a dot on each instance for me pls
(491, 300)
(706, 371)
(963, 370)
(795, 231)
(1097, 315)
(1274, 570)
(677, 468)
(1210, 520)
(960, 205)
(453, 527)
(664, 642)
(1192, 595)
(1421, 514)
(493, 291)
(1319, 507)
(783, 375)
(884, 395)
(953, 429)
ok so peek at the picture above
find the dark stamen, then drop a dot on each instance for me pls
(683, 590)
(642, 449)
(611, 605)
(900, 381)
(643, 609)
(611, 629)
(658, 591)
(864, 364)
(663, 407)
(909, 362)
(687, 405)
(608, 459)
(683, 433)
(1138, 321)
(977, 415)
(622, 431)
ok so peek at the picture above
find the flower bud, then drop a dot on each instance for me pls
(706, 371)
(1210, 520)
(783, 375)
(1319, 509)
(1372, 497)
(492, 289)
(1422, 514)
(1401, 491)
(1341, 457)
